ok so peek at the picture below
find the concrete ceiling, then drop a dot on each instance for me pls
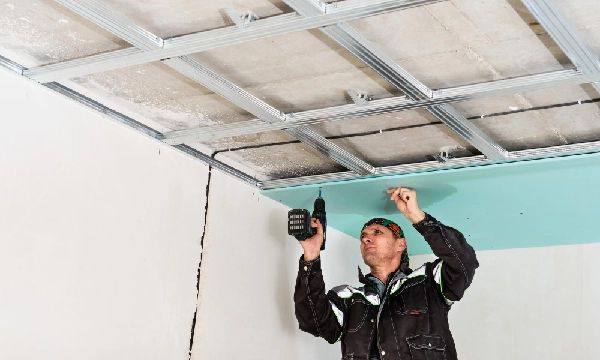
(444, 45)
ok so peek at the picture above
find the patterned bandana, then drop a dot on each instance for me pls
(396, 230)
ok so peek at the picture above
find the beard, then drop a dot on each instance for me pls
(372, 258)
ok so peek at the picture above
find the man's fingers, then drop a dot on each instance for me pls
(405, 194)
(401, 193)
(319, 227)
(317, 224)
(395, 193)
(408, 194)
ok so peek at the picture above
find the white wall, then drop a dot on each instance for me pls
(99, 248)
(99, 241)
(538, 303)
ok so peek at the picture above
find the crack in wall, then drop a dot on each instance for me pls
(201, 255)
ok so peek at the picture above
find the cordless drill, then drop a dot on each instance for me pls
(299, 221)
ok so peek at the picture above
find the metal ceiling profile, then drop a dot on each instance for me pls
(385, 106)
(516, 156)
(194, 70)
(566, 36)
(330, 18)
(577, 50)
(134, 125)
(231, 35)
(189, 67)
(391, 71)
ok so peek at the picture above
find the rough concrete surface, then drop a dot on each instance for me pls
(443, 45)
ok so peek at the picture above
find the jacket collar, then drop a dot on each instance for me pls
(399, 274)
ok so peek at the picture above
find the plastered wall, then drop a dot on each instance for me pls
(99, 234)
(535, 303)
(100, 246)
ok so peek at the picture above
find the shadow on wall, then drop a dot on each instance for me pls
(285, 278)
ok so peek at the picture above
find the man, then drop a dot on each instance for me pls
(399, 313)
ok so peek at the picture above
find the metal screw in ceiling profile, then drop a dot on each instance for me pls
(330, 19)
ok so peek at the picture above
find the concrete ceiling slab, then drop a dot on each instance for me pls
(409, 145)
(384, 122)
(279, 59)
(561, 95)
(499, 20)
(408, 34)
(485, 107)
(137, 88)
(43, 32)
(456, 68)
(264, 139)
(458, 24)
(447, 44)
(521, 131)
(283, 161)
(585, 14)
(321, 91)
(530, 55)
(580, 123)
(592, 36)
(171, 18)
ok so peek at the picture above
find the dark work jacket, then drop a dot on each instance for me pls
(412, 317)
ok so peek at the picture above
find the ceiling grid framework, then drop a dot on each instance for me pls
(401, 79)
(335, 130)
(146, 41)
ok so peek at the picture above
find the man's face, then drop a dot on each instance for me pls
(379, 245)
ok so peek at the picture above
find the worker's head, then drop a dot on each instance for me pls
(382, 242)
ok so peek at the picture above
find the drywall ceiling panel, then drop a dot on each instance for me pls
(525, 194)
(519, 131)
(171, 18)
(41, 32)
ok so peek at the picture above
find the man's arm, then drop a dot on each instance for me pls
(317, 313)
(457, 268)
(455, 272)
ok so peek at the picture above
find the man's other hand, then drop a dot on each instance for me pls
(312, 245)
(406, 202)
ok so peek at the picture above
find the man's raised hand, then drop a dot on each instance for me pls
(407, 204)
(312, 245)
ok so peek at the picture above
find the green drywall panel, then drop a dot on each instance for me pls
(537, 203)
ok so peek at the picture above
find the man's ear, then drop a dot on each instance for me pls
(401, 244)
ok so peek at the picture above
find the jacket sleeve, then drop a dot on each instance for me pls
(454, 273)
(318, 313)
